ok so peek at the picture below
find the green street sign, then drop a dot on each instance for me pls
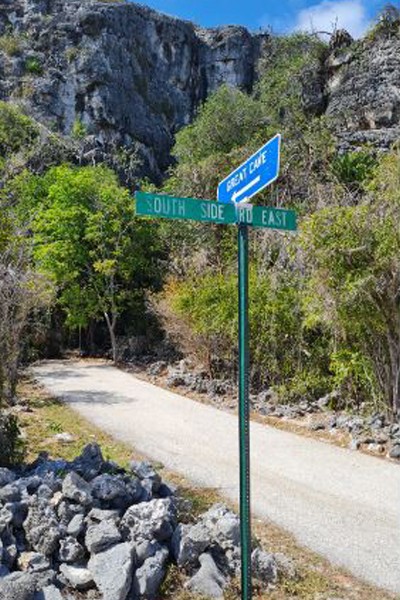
(168, 207)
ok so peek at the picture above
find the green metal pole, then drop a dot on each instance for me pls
(244, 412)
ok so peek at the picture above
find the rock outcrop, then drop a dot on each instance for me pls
(363, 89)
(125, 78)
(126, 75)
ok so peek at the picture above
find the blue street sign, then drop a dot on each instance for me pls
(252, 176)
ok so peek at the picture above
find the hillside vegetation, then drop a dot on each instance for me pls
(77, 267)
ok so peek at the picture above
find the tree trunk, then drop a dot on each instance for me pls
(111, 324)
(394, 352)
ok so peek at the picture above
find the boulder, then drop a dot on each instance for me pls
(208, 581)
(148, 578)
(265, 567)
(96, 515)
(45, 492)
(149, 520)
(70, 550)
(48, 593)
(77, 576)
(145, 470)
(41, 528)
(218, 528)
(4, 571)
(144, 550)
(90, 462)
(286, 566)
(395, 452)
(10, 493)
(76, 526)
(6, 476)
(112, 571)
(67, 510)
(33, 561)
(101, 536)
(224, 526)
(108, 487)
(77, 489)
(45, 468)
(17, 586)
(189, 542)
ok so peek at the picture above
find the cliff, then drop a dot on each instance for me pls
(126, 78)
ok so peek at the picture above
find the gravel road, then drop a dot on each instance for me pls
(342, 504)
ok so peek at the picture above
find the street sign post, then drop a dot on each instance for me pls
(234, 191)
(259, 171)
(192, 209)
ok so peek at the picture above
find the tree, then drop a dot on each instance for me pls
(87, 240)
(22, 292)
(354, 253)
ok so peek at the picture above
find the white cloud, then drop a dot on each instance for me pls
(331, 14)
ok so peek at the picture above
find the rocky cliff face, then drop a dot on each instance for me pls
(362, 88)
(129, 77)
(125, 74)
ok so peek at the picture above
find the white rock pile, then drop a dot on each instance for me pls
(90, 529)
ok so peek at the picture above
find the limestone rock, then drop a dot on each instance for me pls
(48, 593)
(265, 567)
(75, 488)
(6, 476)
(130, 75)
(208, 581)
(78, 577)
(96, 515)
(107, 488)
(102, 536)
(149, 520)
(18, 586)
(189, 542)
(395, 452)
(33, 561)
(71, 550)
(76, 525)
(41, 528)
(148, 577)
(112, 571)
(144, 470)
(89, 463)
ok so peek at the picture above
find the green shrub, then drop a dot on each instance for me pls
(285, 353)
(79, 130)
(16, 130)
(11, 445)
(33, 66)
(387, 23)
(354, 168)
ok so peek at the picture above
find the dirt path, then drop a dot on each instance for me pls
(344, 505)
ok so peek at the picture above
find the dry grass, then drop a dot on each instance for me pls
(318, 580)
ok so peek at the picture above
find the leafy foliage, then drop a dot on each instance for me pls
(16, 130)
(87, 240)
(224, 122)
(33, 66)
(354, 168)
(355, 282)
(387, 22)
(11, 445)
(323, 313)
(79, 130)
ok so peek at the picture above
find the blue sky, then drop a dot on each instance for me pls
(282, 15)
